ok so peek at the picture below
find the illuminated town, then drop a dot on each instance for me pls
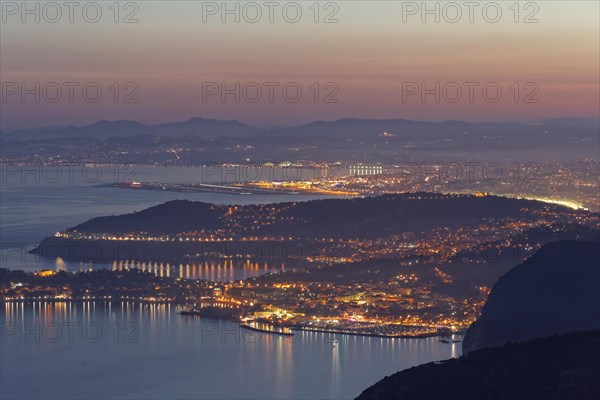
(572, 184)
(411, 284)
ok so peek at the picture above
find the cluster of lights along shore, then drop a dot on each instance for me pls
(402, 276)
(571, 184)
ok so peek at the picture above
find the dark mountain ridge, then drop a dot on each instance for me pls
(564, 367)
(538, 337)
(554, 291)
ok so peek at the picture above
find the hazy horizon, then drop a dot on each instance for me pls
(172, 51)
(523, 121)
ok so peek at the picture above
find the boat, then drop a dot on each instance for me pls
(189, 312)
(210, 312)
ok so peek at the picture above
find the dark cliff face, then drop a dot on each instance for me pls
(556, 290)
(564, 367)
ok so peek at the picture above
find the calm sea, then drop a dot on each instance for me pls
(37, 201)
(102, 350)
(138, 351)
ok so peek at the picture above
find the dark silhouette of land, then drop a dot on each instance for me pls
(302, 223)
(512, 351)
(367, 217)
(564, 367)
(554, 291)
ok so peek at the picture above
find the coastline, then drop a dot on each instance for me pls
(291, 327)
(376, 335)
(271, 330)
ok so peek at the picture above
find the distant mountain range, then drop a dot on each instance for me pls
(406, 128)
(343, 128)
(104, 129)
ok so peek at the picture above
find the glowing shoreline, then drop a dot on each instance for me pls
(567, 203)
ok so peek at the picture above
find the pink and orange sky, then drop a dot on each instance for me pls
(370, 54)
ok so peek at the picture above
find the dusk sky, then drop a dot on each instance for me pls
(370, 54)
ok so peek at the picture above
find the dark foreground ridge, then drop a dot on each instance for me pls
(552, 368)
(554, 291)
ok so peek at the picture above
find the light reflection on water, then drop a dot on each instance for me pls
(149, 351)
(227, 270)
(32, 207)
(216, 270)
(209, 270)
